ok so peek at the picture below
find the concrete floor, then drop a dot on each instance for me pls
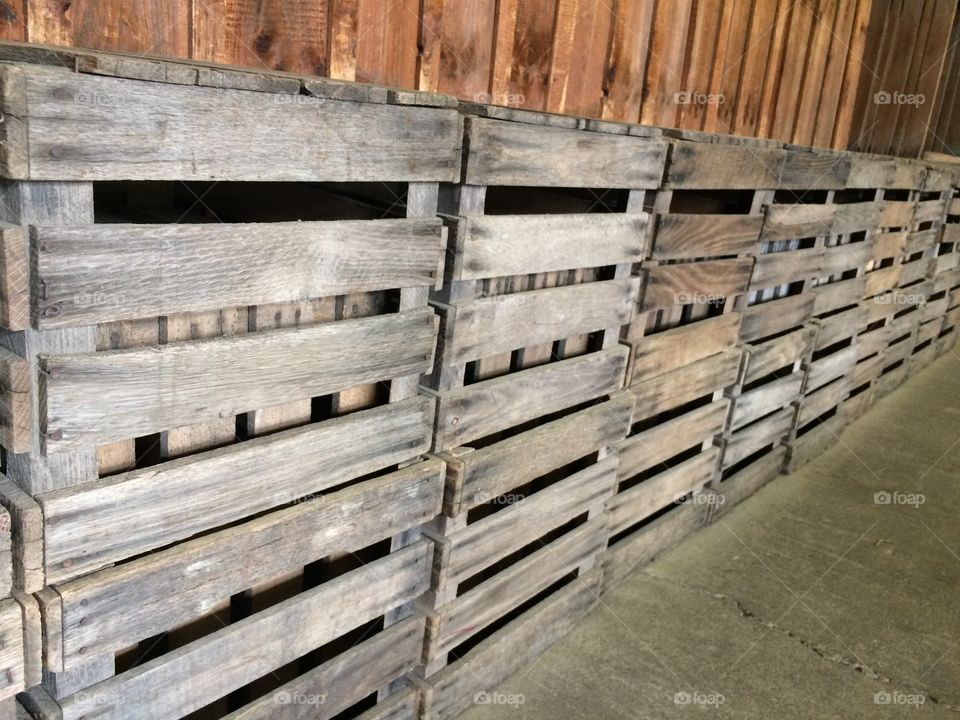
(809, 600)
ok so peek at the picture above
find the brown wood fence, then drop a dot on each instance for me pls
(868, 74)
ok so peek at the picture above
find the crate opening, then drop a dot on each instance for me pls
(748, 461)
(897, 195)
(652, 421)
(818, 421)
(831, 349)
(641, 524)
(661, 467)
(523, 200)
(800, 197)
(853, 195)
(712, 202)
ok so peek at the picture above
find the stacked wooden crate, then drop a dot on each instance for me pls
(223, 444)
(683, 343)
(946, 275)
(544, 230)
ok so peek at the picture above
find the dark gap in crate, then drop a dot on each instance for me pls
(661, 467)
(891, 368)
(885, 263)
(817, 421)
(531, 424)
(3, 460)
(940, 294)
(464, 648)
(929, 195)
(856, 237)
(837, 311)
(516, 556)
(773, 247)
(905, 311)
(521, 200)
(640, 524)
(242, 202)
(787, 290)
(779, 373)
(860, 389)
(715, 202)
(944, 249)
(800, 197)
(899, 195)
(748, 461)
(831, 349)
(853, 195)
(647, 423)
(528, 489)
(920, 346)
(946, 331)
(146, 450)
(926, 225)
(953, 219)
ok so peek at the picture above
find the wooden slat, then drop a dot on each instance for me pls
(109, 272)
(493, 246)
(773, 355)
(502, 153)
(623, 77)
(811, 170)
(769, 318)
(482, 475)
(855, 217)
(244, 651)
(823, 399)
(841, 258)
(781, 268)
(840, 326)
(729, 167)
(685, 384)
(790, 222)
(110, 609)
(16, 403)
(697, 283)
(264, 140)
(12, 679)
(14, 279)
(685, 344)
(760, 402)
(508, 322)
(752, 438)
(696, 236)
(483, 408)
(835, 296)
(97, 398)
(93, 525)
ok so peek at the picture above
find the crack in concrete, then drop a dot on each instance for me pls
(835, 658)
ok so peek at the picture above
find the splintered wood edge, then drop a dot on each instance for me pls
(14, 155)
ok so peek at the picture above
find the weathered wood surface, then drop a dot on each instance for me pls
(693, 283)
(14, 278)
(814, 170)
(752, 438)
(250, 648)
(99, 398)
(479, 476)
(88, 127)
(685, 384)
(838, 295)
(110, 609)
(503, 323)
(16, 403)
(503, 153)
(842, 258)
(112, 272)
(775, 316)
(668, 350)
(792, 222)
(695, 236)
(747, 481)
(703, 166)
(771, 356)
(27, 536)
(760, 402)
(816, 441)
(481, 409)
(130, 513)
(489, 246)
(11, 649)
(782, 268)
(824, 399)
(840, 326)
(857, 217)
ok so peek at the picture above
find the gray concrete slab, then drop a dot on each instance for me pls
(812, 599)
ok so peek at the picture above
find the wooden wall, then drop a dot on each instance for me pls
(804, 71)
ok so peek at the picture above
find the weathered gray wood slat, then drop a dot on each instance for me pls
(491, 246)
(775, 316)
(828, 368)
(512, 647)
(107, 396)
(26, 527)
(14, 278)
(857, 217)
(503, 323)
(703, 166)
(841, 258)
(814, 170)
(343, 680)
(840, 326)
(824, 399)
(11, 649)
(87, 127)
(929, 211)
(793, 222)
(920, 241)
(190, 677)
(696, 236)
(668, 350)
(755, 404)
(685, 384)
(16, 403)
(504, 153)
(881, 281)
(653, 494)
(834, 296)
(781, 268)
(111, 609)
(695, 283)
(752, 438)
(771, 356)
(479, 476)
(468, 614)
(745, 482)
(872, 172)
(108, 272)
(483, 542)
(889, 244)
(897, 213)
(658, 444)
(817, 440)
(483, 408)
(914, 271)
(123, 515)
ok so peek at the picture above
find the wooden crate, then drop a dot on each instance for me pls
(230, 274)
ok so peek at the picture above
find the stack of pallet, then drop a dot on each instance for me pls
(325, 399)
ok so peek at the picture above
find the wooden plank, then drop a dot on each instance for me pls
(856, 59)
(660, 443)
(750, 94)
(499, 245)
(835, 296)
(730, 167)
(745, 482)
(668, 48)
(481, 475)
(889, 244)
(11, 649)
(502, 323)
(14, 279)
(92, 525)
(773, 355)
(752, 438)
(483, 408)
(685, 344)
(254, 646)
(263, 140)
(109, 272)
(108, 610)
(856, 217)
(16, 403)
(839, 40)
(642, 500)
(782, 268)
(345, 679)
(813, 170)
(824, 399)
(840, 326)
(897, 213)
(769, 318)
(696, 283)
(691, 236)
(626, 67)
(26, 527)
(502, 153)
(685, 384)
(760, 402)
(96, 398)
(792, 222)
(838, 259)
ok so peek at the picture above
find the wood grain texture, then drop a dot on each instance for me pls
(775, 316)
(680, 235)
(96, 398)
(772, 356)
(685, 384)
(694, 283)
(729, 167)
(668, 350)
(12, 679)
(109, 272)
